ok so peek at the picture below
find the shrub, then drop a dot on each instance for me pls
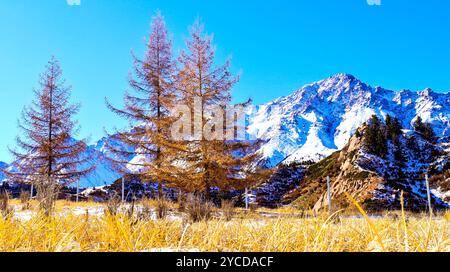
(253, 207)
(146, 211)
(197, 209)
(181, 202)
(162, 208)
(5, 208)
(47, 193)
(25, 200)
(228, 209)
(131, 208)
(113, 205)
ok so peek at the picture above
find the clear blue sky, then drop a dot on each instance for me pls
(279, 45)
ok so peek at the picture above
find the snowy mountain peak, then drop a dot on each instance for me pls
(342, 78)
(426, 92)
(319, 118)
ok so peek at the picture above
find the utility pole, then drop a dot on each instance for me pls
(428, 194)
(32, 189)
(78, 189)
(123, 189)
(246, 198)
(329, 193)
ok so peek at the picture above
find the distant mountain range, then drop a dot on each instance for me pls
(3, 165)
(316, 121)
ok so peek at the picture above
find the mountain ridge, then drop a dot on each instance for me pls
(319, 118)
(316, 120)
(3, 165)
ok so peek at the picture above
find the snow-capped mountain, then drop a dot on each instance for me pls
(320, 118)
(314, 121)
(103, 174)
(3, 165)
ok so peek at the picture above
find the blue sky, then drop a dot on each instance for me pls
(277, 45)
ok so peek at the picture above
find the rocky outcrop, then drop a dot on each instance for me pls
(373, 181)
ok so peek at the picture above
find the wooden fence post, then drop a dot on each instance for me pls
(428, 194)
(329, 194)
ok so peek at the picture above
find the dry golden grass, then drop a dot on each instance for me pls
(246, 232)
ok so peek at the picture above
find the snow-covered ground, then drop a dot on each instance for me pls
(95, 210)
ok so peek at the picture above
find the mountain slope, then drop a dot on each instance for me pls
(320, 118)
(374, 181)
(103, 174)
(314, 122)
(3, 165)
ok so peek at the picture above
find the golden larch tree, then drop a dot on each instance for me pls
(214, 159)
(47, 155)
(147, 108)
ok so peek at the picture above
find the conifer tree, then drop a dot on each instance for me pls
(393, 128)
(375, 137)
(213, 161)
(48, 156)
(147, 109)
(393, 133)
(424, 128)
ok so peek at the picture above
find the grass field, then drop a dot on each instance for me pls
(84, 227)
